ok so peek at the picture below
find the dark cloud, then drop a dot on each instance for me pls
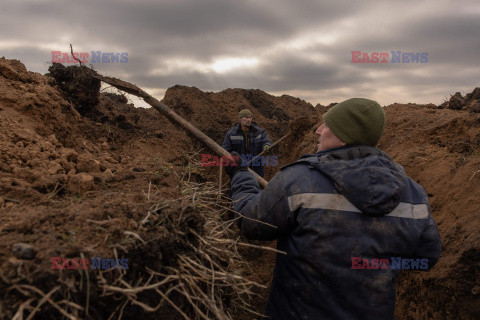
(176, 42)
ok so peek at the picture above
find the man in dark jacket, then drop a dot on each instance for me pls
(247, 139)
(348, 218)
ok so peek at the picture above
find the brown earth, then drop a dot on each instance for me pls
(81, 170)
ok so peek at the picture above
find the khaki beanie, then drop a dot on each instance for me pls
(245, 113)
(356, 121)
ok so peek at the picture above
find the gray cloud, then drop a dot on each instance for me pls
(302, 47)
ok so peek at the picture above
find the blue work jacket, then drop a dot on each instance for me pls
(258, 140)
(336, 215)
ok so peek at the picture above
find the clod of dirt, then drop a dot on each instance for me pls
(81, 182)
(456, 101)
(14, 70)
(471, 101)
(474, 95)
(78, 85)
(475, 107)
(476, 290)
(24, 251)
(461, 147)
(116, 98)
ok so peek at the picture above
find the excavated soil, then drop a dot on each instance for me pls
(80, 169)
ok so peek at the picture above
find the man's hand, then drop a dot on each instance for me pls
(265, 148)
(235, 164)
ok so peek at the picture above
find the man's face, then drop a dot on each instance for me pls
(327, 139)
(246, 121)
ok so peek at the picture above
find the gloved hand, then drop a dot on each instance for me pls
(265, 148)
(235, 164)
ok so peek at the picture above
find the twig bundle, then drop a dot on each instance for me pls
(183, 263)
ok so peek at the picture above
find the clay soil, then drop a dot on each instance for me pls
(81, 170)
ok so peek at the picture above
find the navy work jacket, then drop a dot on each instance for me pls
(331, 213)
(258, 139)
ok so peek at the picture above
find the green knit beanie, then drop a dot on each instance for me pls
(245, 113)
(356, 121)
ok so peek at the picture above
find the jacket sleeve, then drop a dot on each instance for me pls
(227, 144)
(264, 215)
(265, 140)
(430, 245)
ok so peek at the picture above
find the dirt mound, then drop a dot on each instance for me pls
(215, 113)
(114, 182)
(471, 101)
(440, 149)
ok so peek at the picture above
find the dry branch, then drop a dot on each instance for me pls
(73, 56)
(173, 117)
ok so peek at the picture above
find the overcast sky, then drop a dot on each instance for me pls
(301, 48)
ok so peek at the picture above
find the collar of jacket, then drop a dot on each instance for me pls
(253, 128)
(340, 153)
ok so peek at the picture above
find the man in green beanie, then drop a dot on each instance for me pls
(248, 140)
(348, 219)
(355, 121)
